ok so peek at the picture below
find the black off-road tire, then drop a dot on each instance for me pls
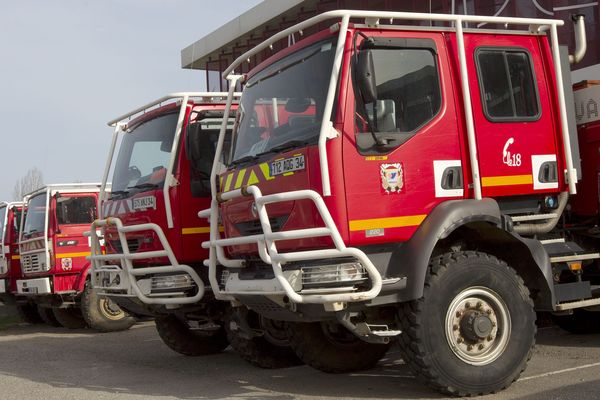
(581, 322)
(179, 337)
(258, 350)
(332, 348)
(47, 315)
(452, 282)
(29, 313)
(102, 314)
(70, 318)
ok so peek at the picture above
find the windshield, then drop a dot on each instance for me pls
(2, 222)
(75, 210)
(144, 156)
(283, 105)
(35, 217)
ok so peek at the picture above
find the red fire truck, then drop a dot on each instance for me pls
(153, 264)
(10, 269)
(53, 253)
(425, 199)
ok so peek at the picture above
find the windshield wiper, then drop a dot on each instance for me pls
(146, 185)
(243, 160)
(120, 193)
(286, 146)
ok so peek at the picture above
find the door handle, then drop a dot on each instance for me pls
(452, 178)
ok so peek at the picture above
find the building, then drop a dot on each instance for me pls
(214, 52)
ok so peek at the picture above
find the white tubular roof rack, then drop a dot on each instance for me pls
(66, 187)
(388, 15)
(204, 97)
(372, 19)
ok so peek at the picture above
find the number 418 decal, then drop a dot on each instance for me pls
(512, 160)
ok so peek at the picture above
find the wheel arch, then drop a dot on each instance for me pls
(471, 225)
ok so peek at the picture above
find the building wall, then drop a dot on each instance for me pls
(557, 9)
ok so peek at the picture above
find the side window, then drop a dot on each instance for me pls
(407, 96)
(201, 143)
(75, 210)
(508, 90)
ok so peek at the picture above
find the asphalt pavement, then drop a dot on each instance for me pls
(40, 362)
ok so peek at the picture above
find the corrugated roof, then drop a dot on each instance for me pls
(238, 31)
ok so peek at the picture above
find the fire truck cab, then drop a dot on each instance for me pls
(10, 268)
(154, 262)
(417, 195)
(53, 251)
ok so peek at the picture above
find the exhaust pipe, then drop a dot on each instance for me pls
(580, 39)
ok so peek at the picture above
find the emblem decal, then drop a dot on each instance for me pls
(66, 264)
(392, 177)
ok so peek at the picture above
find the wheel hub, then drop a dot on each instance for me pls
(478, 325)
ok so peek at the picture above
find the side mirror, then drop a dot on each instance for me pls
(365, 76)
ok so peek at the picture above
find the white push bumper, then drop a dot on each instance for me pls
(167, 284)
(317, 283)
(2, 286)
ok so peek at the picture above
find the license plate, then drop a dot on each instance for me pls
(286, 165)
(143, 203)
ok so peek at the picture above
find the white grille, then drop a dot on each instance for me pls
(3, 265)
(31, 263)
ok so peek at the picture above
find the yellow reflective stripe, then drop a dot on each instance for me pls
(288, 173)
(393, 222)
(198, 229)
(15, 257)
(227, 187)
(73, 255)
(252, 179)
(264, 167)
(507, 180)
(240, 179)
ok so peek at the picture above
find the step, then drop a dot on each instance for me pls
(577, 304)
(575, 257)
(382, 331)
(534, 217)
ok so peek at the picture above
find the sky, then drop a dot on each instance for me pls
(69, 66)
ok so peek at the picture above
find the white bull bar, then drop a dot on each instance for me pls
(130, 276)
(269, 254)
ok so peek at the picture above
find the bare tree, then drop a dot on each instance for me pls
(31, 181)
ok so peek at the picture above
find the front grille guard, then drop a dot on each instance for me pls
(126, 258)
(267, 248)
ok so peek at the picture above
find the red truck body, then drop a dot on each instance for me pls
(10, 270)
(52, 244)
(418, 192)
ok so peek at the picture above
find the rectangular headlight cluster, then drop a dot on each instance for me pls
(171, 282)
(348, 273)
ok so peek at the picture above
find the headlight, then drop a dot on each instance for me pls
(333, 275)
(171, 282)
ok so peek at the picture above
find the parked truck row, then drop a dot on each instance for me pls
(430, 186)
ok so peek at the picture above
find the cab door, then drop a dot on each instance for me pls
(72, 216)
(391, 186)
(512, 112)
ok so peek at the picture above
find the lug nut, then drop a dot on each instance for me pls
(455, 327)
(458, 314)
(459, 340)
(468, 305)
(480, 347)
(470, 347)
(488, 311)
(490, 338)
(479, 305)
